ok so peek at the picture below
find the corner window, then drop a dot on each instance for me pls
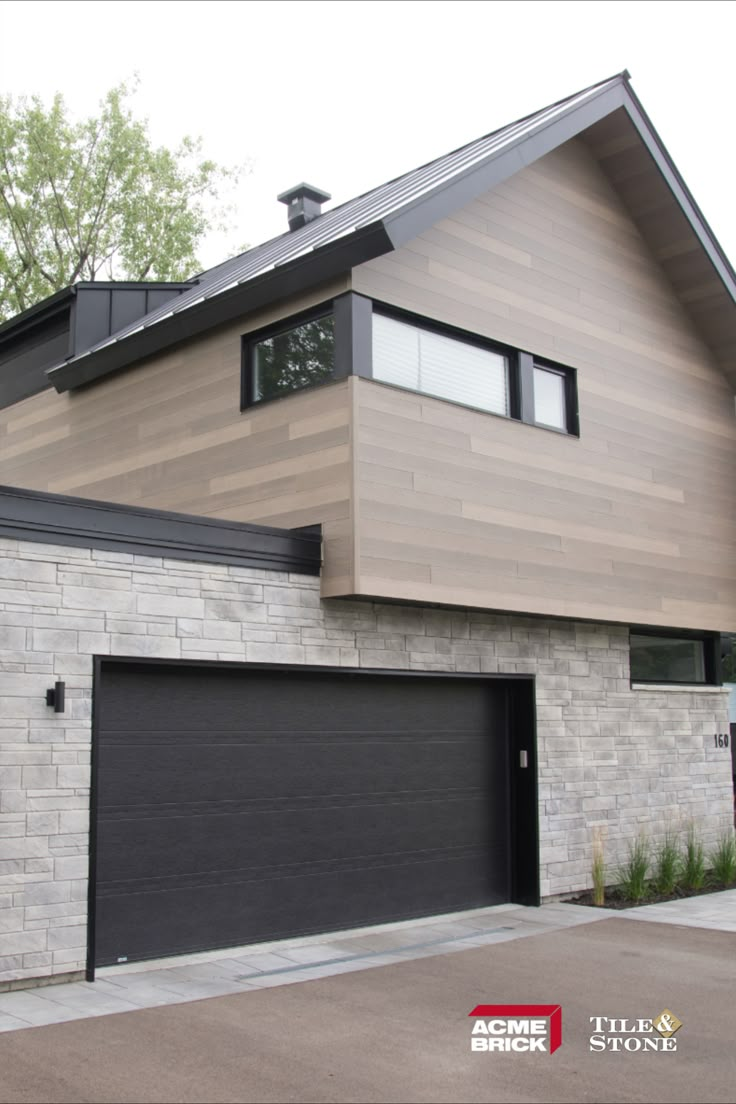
(288, 358)
(353, 335)
(665, 658)
(436, 364)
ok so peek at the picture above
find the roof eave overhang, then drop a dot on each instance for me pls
(310, 270)
(500, 165)
(407, 223)
(429, 209)
(680, 190)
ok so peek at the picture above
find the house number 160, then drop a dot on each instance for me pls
(721, 740)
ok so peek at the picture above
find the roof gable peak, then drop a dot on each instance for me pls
(388, 216)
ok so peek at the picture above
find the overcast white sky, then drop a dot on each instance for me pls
(346, 94)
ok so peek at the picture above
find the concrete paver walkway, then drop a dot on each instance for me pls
(710, 910)
(265, 965)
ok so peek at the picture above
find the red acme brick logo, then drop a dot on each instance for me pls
(519, 1027)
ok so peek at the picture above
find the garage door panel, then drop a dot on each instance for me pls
(240, 804)
(278, 702)
(209, 771)
(274, 906)
(188, 844)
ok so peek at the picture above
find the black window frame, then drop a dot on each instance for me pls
(570, 391)
(711, 642)
(464, 337)
(249, 342)
(353, 321)
(520, 372)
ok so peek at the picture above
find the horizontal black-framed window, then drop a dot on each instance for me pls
(423, 359)
(355, 335)
(291, 356)
(689, 658)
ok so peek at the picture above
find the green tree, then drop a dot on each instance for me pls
(96, 199)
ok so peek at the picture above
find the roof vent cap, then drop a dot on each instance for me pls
(304, 203)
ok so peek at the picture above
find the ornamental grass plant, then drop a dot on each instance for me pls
(633, 873)
(723, 860)
(693, 867)
(667, 864)
(598, 869)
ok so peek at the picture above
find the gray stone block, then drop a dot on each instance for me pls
(275, 653)
(170, 605)
(39, 778)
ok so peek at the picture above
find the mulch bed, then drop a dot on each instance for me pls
(615, 900)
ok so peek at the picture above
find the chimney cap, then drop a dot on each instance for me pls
(304, 191)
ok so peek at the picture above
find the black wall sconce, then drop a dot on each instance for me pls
(56, 696)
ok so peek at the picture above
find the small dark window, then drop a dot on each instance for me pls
(671, 659)
(289, 359)
(555, 399)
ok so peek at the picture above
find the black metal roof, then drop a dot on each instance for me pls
(377, 222)
(52, 304)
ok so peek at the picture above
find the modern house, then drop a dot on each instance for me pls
(365, 575)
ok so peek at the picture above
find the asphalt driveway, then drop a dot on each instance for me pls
(402, 1032)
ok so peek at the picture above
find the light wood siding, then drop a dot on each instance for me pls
(169, 434)
(633, 522)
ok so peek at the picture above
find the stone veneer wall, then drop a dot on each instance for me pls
(609, 755)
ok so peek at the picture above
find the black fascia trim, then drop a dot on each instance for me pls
(88, 523)
(248, 342)
(292, 278)
(501, 164)
(711, 654)
(666, 166)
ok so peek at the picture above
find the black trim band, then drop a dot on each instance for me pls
(83, 523)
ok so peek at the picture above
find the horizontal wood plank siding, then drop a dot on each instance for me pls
(634, 521)
(170, 434)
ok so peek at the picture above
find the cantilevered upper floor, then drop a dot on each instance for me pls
(503, 381)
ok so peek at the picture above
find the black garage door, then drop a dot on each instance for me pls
(243, 804)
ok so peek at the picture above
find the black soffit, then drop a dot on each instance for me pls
(382, 220)
(59, 519)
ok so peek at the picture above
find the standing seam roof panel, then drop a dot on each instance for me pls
(355, 214)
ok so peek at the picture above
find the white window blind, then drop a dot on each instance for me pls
(420, 360)
(549, 398)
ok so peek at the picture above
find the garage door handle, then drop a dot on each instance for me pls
(523, 758)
